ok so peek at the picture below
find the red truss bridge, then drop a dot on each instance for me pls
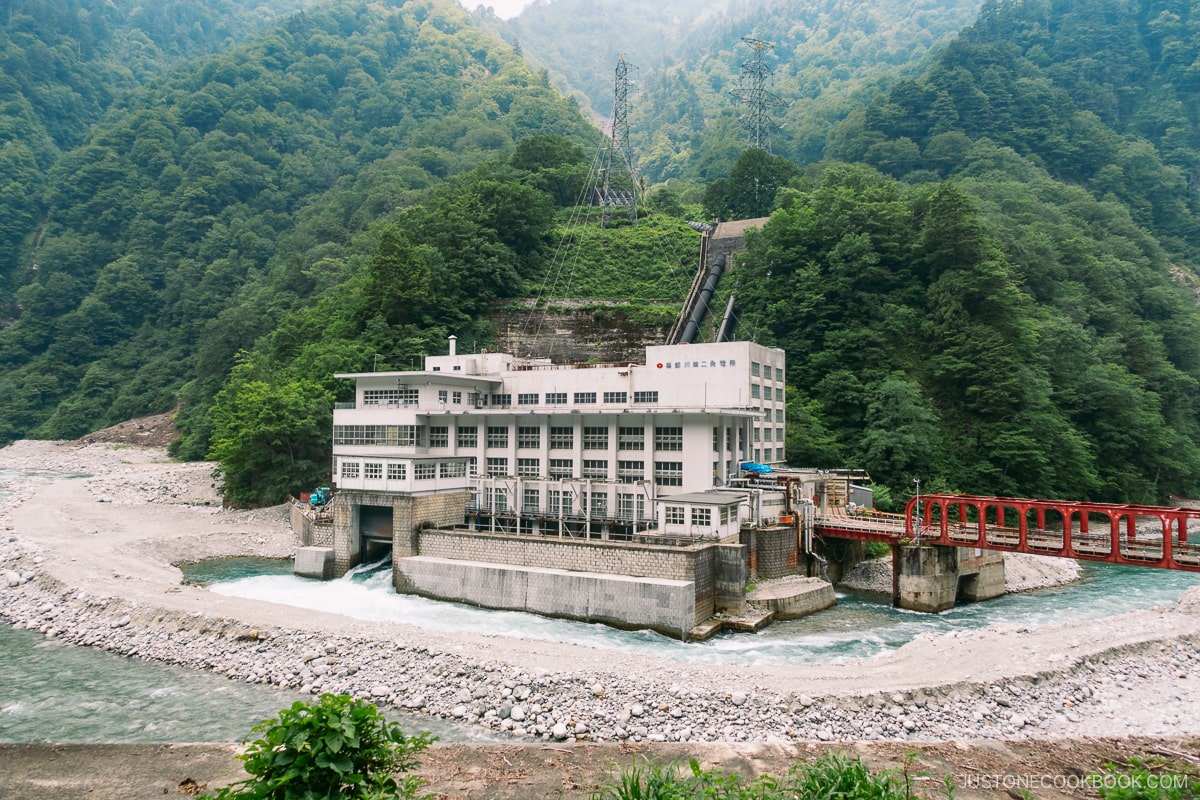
(1142, 536)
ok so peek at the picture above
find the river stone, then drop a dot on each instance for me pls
(517, 713)
(559, 731)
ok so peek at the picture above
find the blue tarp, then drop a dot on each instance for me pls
(756, 468)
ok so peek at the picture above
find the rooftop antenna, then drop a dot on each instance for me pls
(755, 97)
(619, 187)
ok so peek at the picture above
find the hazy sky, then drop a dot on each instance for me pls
(505, 9)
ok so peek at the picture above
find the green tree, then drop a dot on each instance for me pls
(399, 280)
(750, 190)
(270, 438)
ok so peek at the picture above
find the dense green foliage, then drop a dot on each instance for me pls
(983, 299)
(834, 775)
(1028, 343)
(685, 110)
(63, 63)
(337, 747)
(749, 191)
(213, 206)
(1104, 95)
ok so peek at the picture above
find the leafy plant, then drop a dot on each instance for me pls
(338, 747)
(832, 775)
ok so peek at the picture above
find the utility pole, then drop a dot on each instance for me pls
(619, 187)
(917, 515)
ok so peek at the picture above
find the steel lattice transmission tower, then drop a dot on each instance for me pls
(756, 75)
(619, 188)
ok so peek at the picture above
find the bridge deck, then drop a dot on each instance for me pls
(1146, 536)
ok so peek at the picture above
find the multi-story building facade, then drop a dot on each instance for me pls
(548, 445)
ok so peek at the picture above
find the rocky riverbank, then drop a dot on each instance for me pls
(89, 561)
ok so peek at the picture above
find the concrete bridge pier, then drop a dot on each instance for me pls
(932, 578)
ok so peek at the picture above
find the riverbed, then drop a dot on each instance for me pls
(91, 561)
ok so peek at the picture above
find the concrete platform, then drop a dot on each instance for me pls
(705, 630)
(752, 621)
(314, 562)
(794, 598)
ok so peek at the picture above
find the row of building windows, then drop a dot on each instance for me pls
(765, 392)
(701, 517)
(388, 435)
(629, 506)
(408, 397)
(666, 473)
(422, 470)
(666, 439)
(402, 396)
(758, 370)
(528, 437)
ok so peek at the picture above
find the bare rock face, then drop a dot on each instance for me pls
(157, 430)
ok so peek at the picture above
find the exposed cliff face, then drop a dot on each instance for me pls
(575, 331)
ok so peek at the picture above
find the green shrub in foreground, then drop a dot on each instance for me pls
(337, 747)
(834, 775)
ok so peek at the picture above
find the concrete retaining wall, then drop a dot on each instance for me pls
(796, 598)
(778, 552)
(666, 606)
(578, 555)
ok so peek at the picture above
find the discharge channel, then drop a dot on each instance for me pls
(860, 626)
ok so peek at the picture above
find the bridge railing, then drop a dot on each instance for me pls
(1119, 533)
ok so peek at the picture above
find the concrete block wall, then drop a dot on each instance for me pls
(578, 555)
(666, 606)
(778, 552)
(409, 513)
(310, 533)
(927, 578)
(730, 571)
(981, 574)
(932, 578)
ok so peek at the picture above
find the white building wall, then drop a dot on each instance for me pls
(692, 387)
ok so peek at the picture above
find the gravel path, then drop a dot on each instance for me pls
(89, 560)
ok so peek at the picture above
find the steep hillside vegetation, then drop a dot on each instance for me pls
(685, 124)
(216, 202)
(1104, 95)
(1017, 330)
(63, 62)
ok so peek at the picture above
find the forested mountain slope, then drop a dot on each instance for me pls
(1017, 330)
(63, 62)
(210, 205)
(826, 56)
(982, 300)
